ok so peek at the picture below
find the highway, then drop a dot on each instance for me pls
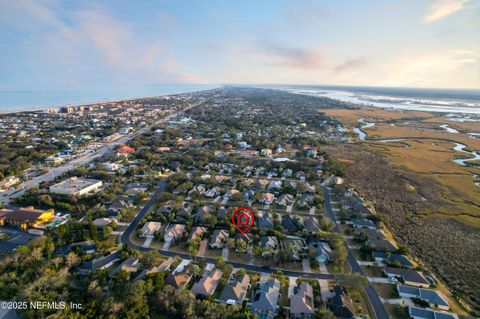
(147, 208)
(377, 305)
(54, 172)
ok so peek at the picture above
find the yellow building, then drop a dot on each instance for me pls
(26, 217)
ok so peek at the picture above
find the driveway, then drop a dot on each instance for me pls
(292, 283)
(225, 254)
(147, 242)
(203, 248)
(380, 280)
(323, 268)
(306, 265)
(166, 245)
(324, 291)
(264, 276)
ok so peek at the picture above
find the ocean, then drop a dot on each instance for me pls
(24, 100)
(432, 100)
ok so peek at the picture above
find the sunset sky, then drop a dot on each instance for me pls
(406, 43)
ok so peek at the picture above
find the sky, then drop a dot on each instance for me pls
(394, 43)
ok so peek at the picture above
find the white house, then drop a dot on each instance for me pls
(150, 228)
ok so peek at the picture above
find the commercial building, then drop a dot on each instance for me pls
(75, 186)
(26, 217)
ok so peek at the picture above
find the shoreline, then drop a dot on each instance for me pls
(46, 108)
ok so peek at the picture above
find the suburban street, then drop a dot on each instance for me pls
(133, 225)
(375, 301)
(54, 172)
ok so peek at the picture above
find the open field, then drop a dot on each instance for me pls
(430, 203)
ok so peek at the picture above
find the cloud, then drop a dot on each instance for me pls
(443, 8)
(350, 65)
(276, 54)
(426, 69)
(90, 44)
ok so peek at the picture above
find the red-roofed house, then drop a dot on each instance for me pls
(125, 150)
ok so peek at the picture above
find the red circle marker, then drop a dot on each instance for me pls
(243, 219)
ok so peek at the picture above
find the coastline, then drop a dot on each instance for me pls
(101, 101)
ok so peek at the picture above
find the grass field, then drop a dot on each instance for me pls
(430, 203)
(429, 153)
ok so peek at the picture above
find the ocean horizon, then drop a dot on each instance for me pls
(41, 99)
(419, 99)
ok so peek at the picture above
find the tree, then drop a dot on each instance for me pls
(324, 313)
(219, 262)
(353, 281)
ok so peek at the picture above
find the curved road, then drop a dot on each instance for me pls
(133, 225)
(377, 305)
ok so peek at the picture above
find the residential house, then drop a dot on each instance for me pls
(120, 204)
(285, 200)
(434, 298)
(265, 299)
(341, 304)
(287, 173)
(294, 247)
(202, 213)
(112, 167)
(268, 198)
(409, 277)
(207, 283)
(125, 150)
(185, 210)
(301, 302)
(289, 224)
(362, 223)
(260, 184)
(8, 182)
(181, 278)
(150, 228)
(200, 189)
(392, 259)
(320, 250)
(128, 265)
(174, 232)
(197, 232)
(311, 224)
(309, 188)
(102, 222)
(275, 186)
(132, 189)
(369, 233)
(301, 175)
(236, 290)
(219, 238)
(222, 212)
(248, 195)
(164, 266)
(87, 247)
(265, 221)
(247, 237)
(230, 193)
(266, 152)
(421, 313)
(381, 245)
(213, 192)
(269, 245)
(103, 262)
(165, 210)
(306, 200)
